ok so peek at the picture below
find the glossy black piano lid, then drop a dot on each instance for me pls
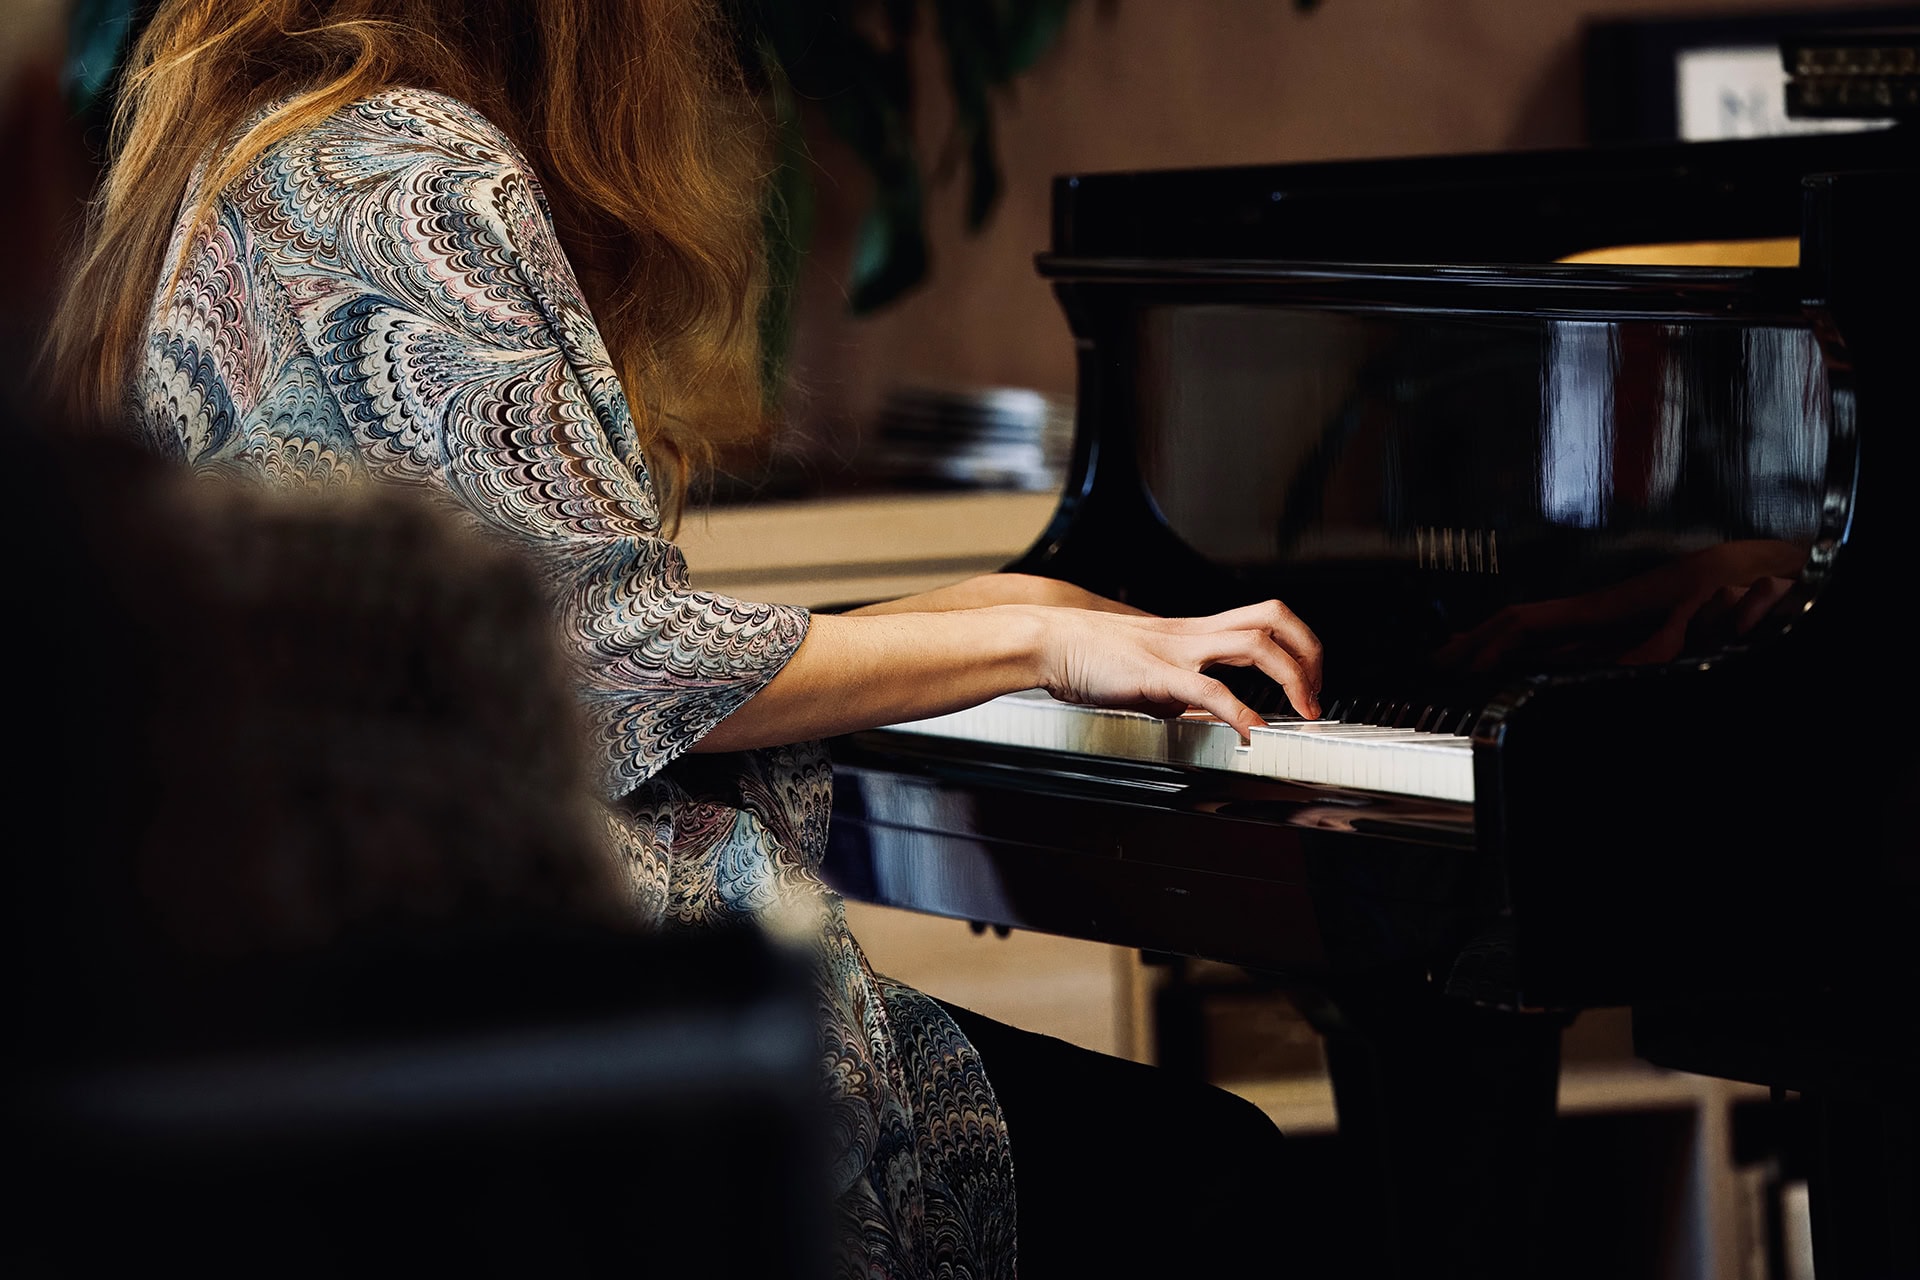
(1401, 453)
(1497, 207)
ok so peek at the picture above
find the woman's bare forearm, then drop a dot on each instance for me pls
(857, 672)
(861, 671)
(989, 589)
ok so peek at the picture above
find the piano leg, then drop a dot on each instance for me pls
(1446, 1114)
(1864, 1188)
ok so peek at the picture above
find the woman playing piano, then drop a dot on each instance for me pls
(507, 252)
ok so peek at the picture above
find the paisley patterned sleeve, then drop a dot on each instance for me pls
(417, 256)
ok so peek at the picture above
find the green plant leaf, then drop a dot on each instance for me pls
(787, 217)
(984, 183)
(850, 59)
(97, 32)
(1032, 29)
(973, 47)
(890, 250)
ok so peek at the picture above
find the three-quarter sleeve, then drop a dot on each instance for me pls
(417, 258)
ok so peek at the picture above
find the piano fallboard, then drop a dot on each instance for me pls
(1302, 880)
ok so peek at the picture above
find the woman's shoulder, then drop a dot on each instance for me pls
(396, 148)
(422, 125)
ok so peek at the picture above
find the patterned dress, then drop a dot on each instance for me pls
(382, 297)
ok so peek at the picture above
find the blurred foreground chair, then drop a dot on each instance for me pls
(632, 1125)
(317, 960)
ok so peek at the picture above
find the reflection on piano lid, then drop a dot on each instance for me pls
(1776, 251)
(1438, 766)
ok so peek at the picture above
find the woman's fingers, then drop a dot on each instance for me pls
(1763, 597)
(1510, 630)
(1734, 612)
(1157, 663)
(1268, 637)
(1280, 622)
(1273, 620)
(1212, 695)
(1258, 649)
(1664, 645)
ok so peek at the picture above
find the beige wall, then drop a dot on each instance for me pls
(1153, 83)
(30, 30)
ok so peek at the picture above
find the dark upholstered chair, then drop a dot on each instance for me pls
(315, 961)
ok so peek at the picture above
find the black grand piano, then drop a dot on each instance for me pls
(1611, 558)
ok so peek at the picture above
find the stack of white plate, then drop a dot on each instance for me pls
(974, 438)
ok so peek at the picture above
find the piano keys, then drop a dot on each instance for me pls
(1430, 763)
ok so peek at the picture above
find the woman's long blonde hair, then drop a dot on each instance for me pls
(634, 114)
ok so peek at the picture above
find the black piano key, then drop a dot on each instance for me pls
(1417, 714)
(1255, 688)
(1425, 711)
